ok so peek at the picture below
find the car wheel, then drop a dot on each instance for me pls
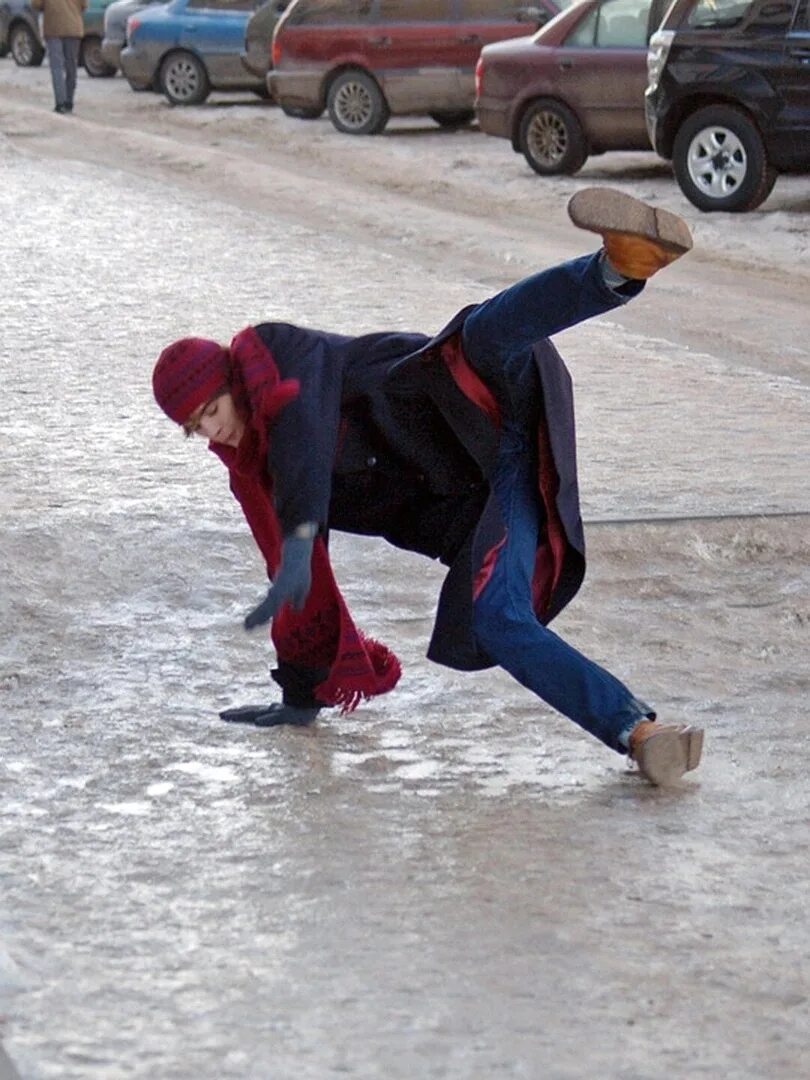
(551, 138)
(356, 104)
(184, 80)
(92, 61)
(720, 161)
(301, 112)
(25, 50)
(459, 118)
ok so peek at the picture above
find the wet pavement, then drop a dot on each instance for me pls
(452, 882)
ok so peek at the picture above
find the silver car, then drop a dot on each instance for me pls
(115, 27)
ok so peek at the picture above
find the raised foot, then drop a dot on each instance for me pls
(639, 239)
(664, 753)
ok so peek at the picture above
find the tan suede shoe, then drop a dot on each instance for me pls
(664, 752)
(639, 240)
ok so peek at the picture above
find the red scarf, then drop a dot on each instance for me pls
(323, 634)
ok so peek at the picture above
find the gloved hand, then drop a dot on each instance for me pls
(292, 582)
(270, 715)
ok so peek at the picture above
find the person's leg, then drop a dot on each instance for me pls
(508, 630)
(56, 62)
(508, 324)
(71, 54)
(638, 240)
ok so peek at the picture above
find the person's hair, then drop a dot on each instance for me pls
(188, 430)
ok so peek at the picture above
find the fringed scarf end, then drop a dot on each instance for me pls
(347, 689)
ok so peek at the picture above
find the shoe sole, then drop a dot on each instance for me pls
(665, 756)
(602, 210)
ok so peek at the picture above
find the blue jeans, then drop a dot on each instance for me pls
(498, 339)
(63, 58)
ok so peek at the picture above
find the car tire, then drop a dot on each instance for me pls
(3, 49)
(92, 61)
(356, 104)
(720, 161)
(184, 80)
(301, 112)
(451, 120)
(25, 50)
(551, 139)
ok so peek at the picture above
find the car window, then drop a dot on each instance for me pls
(479, 10)
(223, 5)
(328, 12)
(613, 25)
(414, 11)
(750, 16)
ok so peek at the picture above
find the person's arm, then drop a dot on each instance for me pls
(302, 441)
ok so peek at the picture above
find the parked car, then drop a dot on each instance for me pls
(259, 36)
(115, 28)
(187, 48)
(574, 89)
(728, 99)
(90, 57)
(365, 60)
(20, 35)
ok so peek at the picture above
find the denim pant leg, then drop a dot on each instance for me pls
(71, 55)
(56, 61)
(508, 630)
(508, 324)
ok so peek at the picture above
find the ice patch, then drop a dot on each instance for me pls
(214, 774)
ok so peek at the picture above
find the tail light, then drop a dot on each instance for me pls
(133, 22)
(479, 74)
(275, 52)
(657, 53)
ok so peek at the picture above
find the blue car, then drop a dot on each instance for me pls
(188, 48)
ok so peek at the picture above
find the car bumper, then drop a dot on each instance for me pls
(256, 61)
(136, 70)
(493, 118)
(111, 52)
(297, 89)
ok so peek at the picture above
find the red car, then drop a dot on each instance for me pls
(365, 60)
(576, 88)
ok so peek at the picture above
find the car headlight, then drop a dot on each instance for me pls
(657, 53)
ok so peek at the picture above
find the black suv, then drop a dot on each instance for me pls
(728, 99)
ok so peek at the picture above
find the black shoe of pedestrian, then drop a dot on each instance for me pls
(69, 107)
(59, 108)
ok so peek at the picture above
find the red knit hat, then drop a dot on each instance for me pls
(188, 374)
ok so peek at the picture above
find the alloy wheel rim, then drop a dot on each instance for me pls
(547, 138)
(23, 49)
(716, 162)
(182, 79)
(353, 104)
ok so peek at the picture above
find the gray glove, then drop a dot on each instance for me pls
(292, 582)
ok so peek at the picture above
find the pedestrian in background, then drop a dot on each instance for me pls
(63, 29)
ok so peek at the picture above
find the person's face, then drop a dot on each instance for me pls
(218, 420)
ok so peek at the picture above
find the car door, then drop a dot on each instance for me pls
(792, 85)
(602, 72)
(413, 53)
(215, 30)
(481, 22)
